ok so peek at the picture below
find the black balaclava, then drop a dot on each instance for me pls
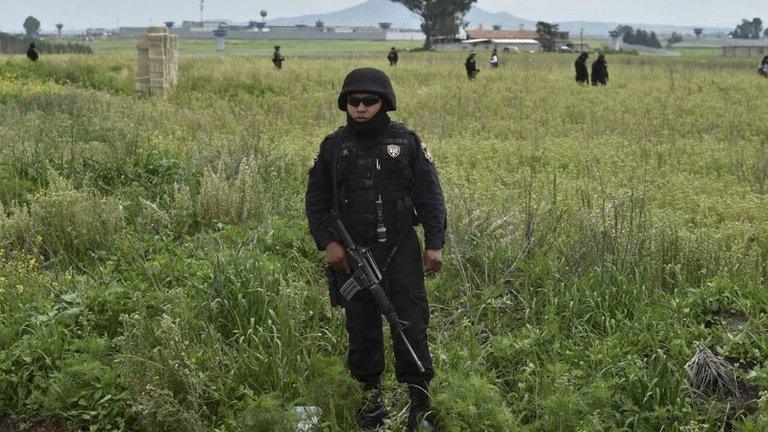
(371, 130)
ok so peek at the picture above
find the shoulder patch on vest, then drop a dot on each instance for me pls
(427, 153)
(313, 164)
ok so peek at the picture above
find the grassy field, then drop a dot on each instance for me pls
(156, 272)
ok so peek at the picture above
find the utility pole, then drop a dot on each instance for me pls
(581, 35)
(202, 5)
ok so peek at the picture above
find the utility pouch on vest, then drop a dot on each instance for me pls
(333, 287)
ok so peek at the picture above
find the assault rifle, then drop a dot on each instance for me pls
(367, 276)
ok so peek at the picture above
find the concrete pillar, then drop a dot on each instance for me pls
(157, 65)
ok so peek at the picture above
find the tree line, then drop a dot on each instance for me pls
(632, 36)
(749, 29)
(10, 44)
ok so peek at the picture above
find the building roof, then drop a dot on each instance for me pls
(501, 34)
(501, 41)
(515, 41)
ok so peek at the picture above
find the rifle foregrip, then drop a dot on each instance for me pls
(385, 306)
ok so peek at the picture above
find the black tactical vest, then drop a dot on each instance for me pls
(366, 172)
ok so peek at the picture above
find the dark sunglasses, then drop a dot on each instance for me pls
(369, 101)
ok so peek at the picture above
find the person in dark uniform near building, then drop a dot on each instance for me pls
(32, 53)
(582, 74)
(371, 164)
(277, 58)
(471, 65)
(393, 57)
(600, 71)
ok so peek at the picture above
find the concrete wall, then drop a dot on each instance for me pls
(523, 48)
(284, 33)
(745, 51)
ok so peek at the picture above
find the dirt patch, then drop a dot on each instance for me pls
(748, 398)
(743, 365)
(8, 424)
(732, 320)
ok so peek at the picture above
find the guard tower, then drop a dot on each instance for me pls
(157, 70)
(220, 34)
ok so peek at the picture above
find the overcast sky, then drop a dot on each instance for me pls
(79, 14)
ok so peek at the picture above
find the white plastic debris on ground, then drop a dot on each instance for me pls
(309, 418)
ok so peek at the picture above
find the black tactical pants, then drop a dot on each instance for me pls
(404, 284)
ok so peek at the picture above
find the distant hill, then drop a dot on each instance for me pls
(372, 12)
(369, 13)
(602, 28)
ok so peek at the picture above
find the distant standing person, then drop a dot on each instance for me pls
(471, 65)
(393, 57)
(494, 59)
(277, 58)
(763, 69)
(600, 71)
(32, 53)
(582, 75)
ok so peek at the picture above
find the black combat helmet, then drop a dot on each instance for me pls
(368, 80)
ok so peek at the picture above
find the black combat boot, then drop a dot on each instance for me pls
(420, 413)
(372, 413)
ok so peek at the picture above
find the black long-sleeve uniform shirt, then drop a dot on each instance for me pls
(426, 194)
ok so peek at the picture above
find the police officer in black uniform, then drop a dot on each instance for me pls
(471, 66)
(32, 53)
(582, 74)
(377, 164)
(600, 71)
(278, 58)
(393, 56)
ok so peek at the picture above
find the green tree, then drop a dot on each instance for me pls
(447, 26)
(653, 40)
(547, 34)
(628, 34)
(674, 38)
(639, 37)
(31, 26)
(438, 17)
(545, 29)
(621, 30)
(748, 29)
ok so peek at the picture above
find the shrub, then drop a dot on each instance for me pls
(222, 200)
(471, 402)
(259, 413)
(63, 221)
